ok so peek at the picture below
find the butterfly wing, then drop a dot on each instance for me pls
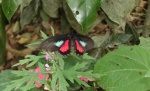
(82, 44)
(59, 43)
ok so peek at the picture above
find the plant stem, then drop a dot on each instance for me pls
(146, 31)
(2, 37)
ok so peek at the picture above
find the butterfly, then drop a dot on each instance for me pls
(63, 43)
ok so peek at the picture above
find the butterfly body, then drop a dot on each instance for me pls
(63, 43)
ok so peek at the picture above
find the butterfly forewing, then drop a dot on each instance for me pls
(59, 43)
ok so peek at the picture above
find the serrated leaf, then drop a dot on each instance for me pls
(7, 78)
(61, 81)
(124, 68)
(34, 59)
(29, 58)
(21, 62)
(79, 66)
(9, 7)
(54, 79)
(61, 61)
(68, 75)
(19, 83)
(42, 67)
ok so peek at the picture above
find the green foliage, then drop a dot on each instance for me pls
(116, 10)
(7, 79)
(51, 7)
(60, 74)
(26, 7)
(44, 36)
(52, 30)
(10, 7)
(145, 43)
(30, 58)
(126, 69)
(85, 12)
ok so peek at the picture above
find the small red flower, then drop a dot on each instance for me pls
(40, 76)
(84, 79)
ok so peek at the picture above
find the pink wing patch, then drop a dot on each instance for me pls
(79, 47)
(65, 47)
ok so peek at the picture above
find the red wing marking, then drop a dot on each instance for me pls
(79, 47)
(65, 47)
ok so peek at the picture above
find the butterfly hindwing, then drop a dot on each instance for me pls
(59, 43)
(65, 48)
(82, 44)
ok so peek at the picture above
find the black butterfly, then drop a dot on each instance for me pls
(63, 43)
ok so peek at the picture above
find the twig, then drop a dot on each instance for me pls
(146, 31)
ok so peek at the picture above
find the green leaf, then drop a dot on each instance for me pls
(52, 29)
(124, 69)
(79, 66)
(21, 62)
(34, 45)
(7, 78)
(147, 74)
(19, 84)
(29, 58)
(145, 42)
(62, 83)
(10, 7)
(73, 74)
(85, 11)
(43, 35)
(86, 56)
(26, 17)
(51, 7)
(61, 61)
(117, 12)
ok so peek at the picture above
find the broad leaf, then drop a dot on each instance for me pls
(145, 42)
(51, 7)
(10, 7)
(119, 10)
(28, 12)
(85, 11)
(125, 69)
